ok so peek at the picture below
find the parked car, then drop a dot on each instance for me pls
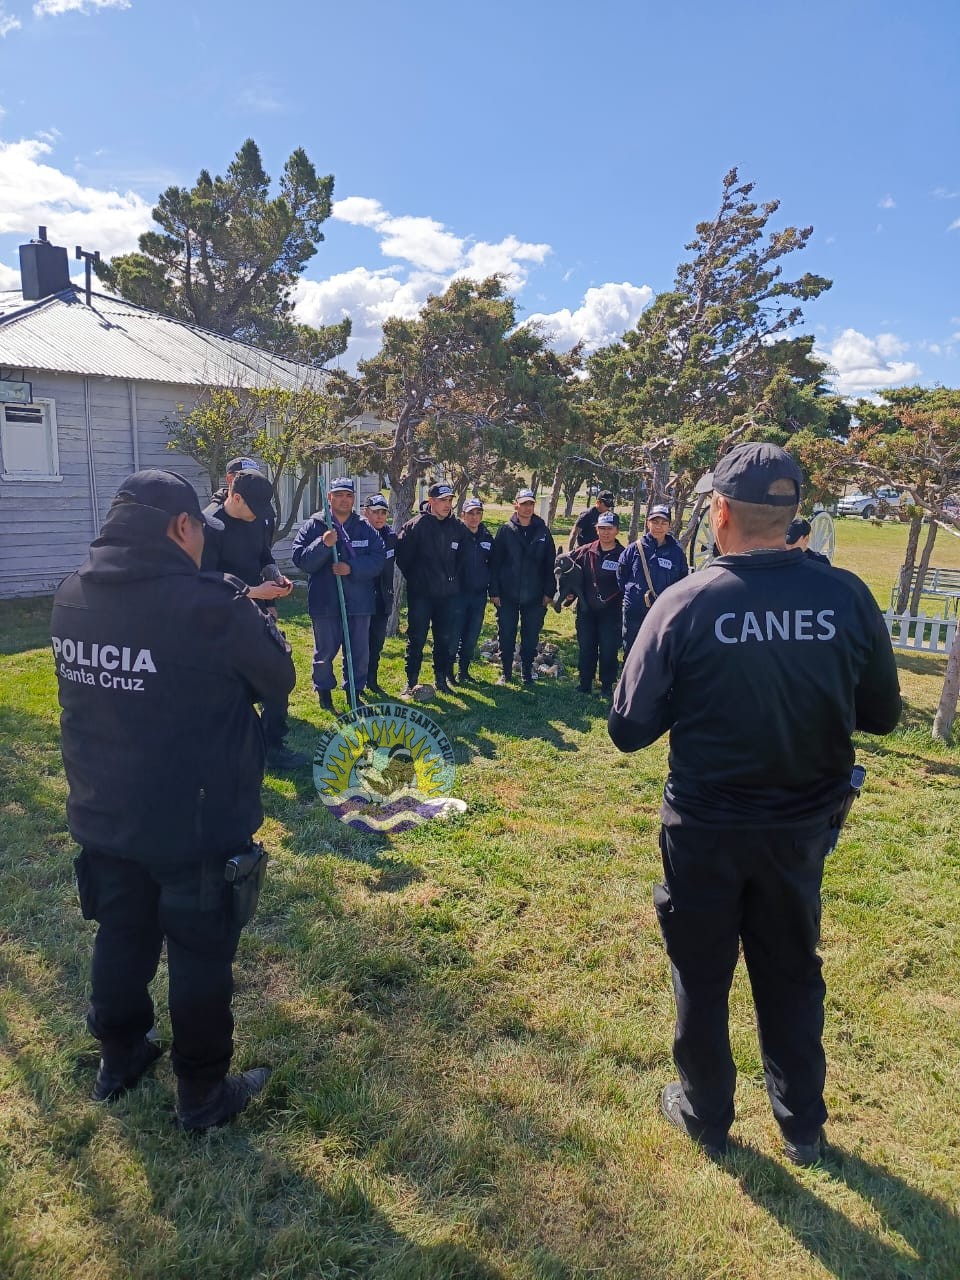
(868, 505)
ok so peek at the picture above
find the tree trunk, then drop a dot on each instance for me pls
(638, 503)
(282, 531)
(947, 706)
(923, 565)
(555, 495)
(535, 481)
(402, 494)
(909, 560)
(660, 480)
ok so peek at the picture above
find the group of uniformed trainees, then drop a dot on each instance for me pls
(452, 566)
(760, 668)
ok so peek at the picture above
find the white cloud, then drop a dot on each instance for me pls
(863, 365)
(53, 8)
(8, 22)
(424, 242)
(955, 225)
(505, 259)
(604, 315)
(361, 211)
(887, 202)
(9, 278)
(33, 193)
(368, 298)
(942, 193)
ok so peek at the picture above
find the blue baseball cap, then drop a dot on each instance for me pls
(377, 502)
(342, 484)
(440, 491)
(473, 504)
(525, 495)
(609, 518)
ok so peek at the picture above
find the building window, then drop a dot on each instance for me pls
(28, 441)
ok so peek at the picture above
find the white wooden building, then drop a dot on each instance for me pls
(103, 378)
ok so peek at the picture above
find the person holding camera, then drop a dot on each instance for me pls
(159, 666)
(760, 667)
(244, 548)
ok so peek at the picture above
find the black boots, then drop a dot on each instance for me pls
(121, 1070)
(326, 699)
(202, 1107)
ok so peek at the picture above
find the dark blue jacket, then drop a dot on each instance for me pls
(601, 590)
(359, 546)
(383, 586)
(473, 566)
(521, 563)
(667, 565)
(428, 552)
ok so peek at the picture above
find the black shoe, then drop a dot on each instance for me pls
(451, 676)
(806, 1154)
(202, 1109)
(440, 684)
(283, 759)
(504, 678)
(585, 688)
(606, 691)
(670, 1099)
(374, 687)
(465, 677)
(120, 1072)
(326, 699)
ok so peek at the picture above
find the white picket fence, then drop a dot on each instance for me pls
(920, 633)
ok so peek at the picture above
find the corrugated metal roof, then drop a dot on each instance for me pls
(115, 339)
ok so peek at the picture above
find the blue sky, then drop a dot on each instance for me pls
(572, 146)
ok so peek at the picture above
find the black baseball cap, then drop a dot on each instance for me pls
(241, 464)
(377, 501)
(606, 497)
(796, 530)
(165, 491)
(747, 472)
(609, 518)
(660, 510)
(256, 491)
(440, 491)
(472, 504)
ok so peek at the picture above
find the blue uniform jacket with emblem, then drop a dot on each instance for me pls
(473, 571)
(359, 545)
(667, 565)
(384, 581)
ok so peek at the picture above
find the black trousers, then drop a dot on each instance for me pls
(424, 612)
(598, 637)
(378, 636)
(274, 720)
(761, 889)
(137, 909)
(468, 610)
(530, 618)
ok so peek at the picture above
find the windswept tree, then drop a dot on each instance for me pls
(227, 254)
(291, 429)
(911, 440)
(717, 359)
(453, 385)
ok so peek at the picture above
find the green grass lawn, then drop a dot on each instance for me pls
(471, 1024)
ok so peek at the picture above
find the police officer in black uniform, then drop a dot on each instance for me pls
(428, 553)
(243, 546)
(159, 666)
(761, 667)
(375, 511)
(521, 584)
(473, 580)
(599, 606)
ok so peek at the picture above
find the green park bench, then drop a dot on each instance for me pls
(940, 584)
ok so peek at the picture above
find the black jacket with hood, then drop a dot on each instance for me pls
(159, 666)
(521, 562)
